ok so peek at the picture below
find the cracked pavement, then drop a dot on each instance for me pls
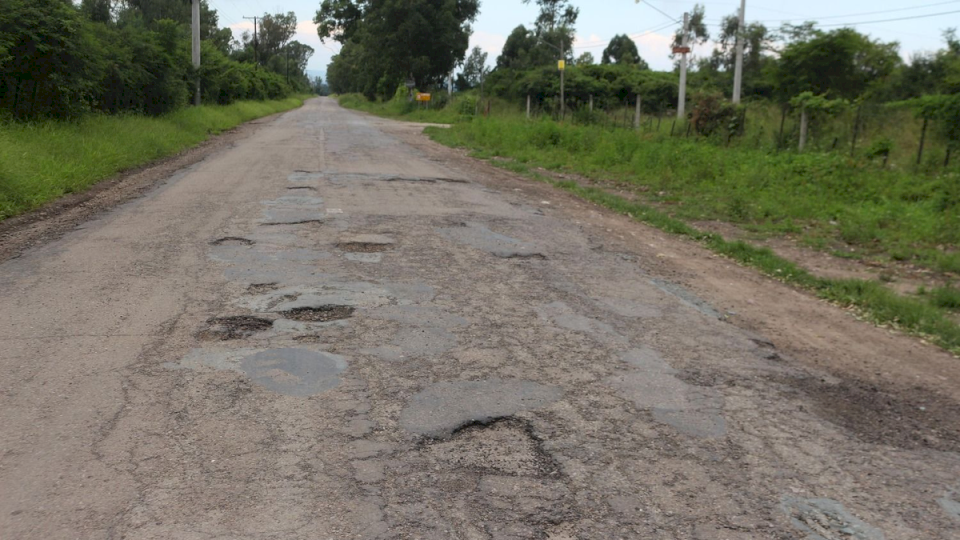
(421, 351)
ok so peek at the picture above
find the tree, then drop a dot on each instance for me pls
(275, 31)
(697, 29)
(96, 10)
(838, 64)
(585, 59)
(517, 49)
(474, 70)
(622, 50)
(398, 39)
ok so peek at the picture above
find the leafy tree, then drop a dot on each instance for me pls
(275, 31)
(697, 29)
(96, 10)
(397, 39)
(517, 49)
(474, 69)
(839, 64)
(622, 50)
(585, 59)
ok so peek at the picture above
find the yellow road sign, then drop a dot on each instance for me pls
(561, 65)
(423, 97)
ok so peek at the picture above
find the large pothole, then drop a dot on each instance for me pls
(501, 446)
(363, 247)
(236, 327)
(233, 241)
(325, 313)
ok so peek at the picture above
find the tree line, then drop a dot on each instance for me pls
(59, 59)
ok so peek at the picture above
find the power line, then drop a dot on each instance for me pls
(595, 44)
(828, 17)
(660, 11)
(891, 20)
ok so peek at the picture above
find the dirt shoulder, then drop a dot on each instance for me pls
(802, 328)
(54, 219)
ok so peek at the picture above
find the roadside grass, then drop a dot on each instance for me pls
(401, 109)
(44, 160)
(827, 200)
(873, 301)
(946, 297)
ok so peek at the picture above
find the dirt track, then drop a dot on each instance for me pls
(334, 328)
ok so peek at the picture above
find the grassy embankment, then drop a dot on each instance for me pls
(827, 200)
(45, 160)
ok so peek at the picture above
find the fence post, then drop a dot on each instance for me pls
(528, 106)
(591, 102)
(783, 120)
(804, 124)
(946, 160)
(636, 115)
(856, 131)
(923, 138)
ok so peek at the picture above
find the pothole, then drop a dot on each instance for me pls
(363, 247)
(233, 241)
(308, 188)
(519, 255)
(506, 446)
(308, 338)
(236, 327)
(260, 288)
(298, 222)
(827, 519)
(326, 313)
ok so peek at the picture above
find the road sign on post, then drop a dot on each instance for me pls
(561, 65)
(421, 96)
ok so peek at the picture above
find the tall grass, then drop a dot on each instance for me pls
(45, 160)
(825, 199)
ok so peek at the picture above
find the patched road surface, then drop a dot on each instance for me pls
(324, 332)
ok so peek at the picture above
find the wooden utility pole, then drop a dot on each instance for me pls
(196, 49)
(738, 69)
(685, 48)
(804, 124)
(256, 55)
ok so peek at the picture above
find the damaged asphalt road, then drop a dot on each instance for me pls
(323, 333)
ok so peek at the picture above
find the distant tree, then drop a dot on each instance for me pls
(397, 39)
(586, 59)
(842, 63)
(517, 49)
(96, 10)
(474, 70)
(622, 50)
(275, 31)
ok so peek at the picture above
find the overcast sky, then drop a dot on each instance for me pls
(652, 30)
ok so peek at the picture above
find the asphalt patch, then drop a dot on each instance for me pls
(909, 418)
(236, 327)
(233, 241)
(325, 313)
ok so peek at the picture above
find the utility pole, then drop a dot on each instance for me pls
(256, 56)
(196, 49)
(738, 70)
(685, 48)
(562, 64)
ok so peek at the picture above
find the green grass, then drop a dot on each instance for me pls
(663, 163)
(824, 199)
(946, 297)
(45, 160)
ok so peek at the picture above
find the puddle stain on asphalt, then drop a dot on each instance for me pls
(481, 237)
(294, 372)
(827, 519)
(440, 409)
(950, 503)
(691, 410)
(291, 372)
(687, 298)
